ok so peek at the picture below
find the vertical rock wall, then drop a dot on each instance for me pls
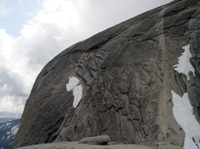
(127, 77)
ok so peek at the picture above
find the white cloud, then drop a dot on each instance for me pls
(58, 25)
(9, 103)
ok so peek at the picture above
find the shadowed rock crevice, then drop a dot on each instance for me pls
(127, 74)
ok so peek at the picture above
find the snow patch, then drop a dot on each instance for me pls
(77, 90)
(73, 81)
(8, 135)
(7, 125)
(14, 130)
(183, 113)
(1, 127)
(184, 66)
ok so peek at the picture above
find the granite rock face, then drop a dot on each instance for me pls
(126, 76)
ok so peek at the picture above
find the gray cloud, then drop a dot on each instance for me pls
(12, 97)
(10, 83)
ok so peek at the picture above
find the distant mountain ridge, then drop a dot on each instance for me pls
(3, 120)
(8, 130)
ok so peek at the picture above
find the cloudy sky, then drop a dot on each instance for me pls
(32, 32)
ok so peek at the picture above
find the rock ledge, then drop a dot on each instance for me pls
(76, 145)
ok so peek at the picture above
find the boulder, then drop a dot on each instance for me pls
(97, 140)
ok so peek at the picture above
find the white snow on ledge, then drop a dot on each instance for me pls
(73, 81)
(77, 90)
(184, 66)
(183, 113)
